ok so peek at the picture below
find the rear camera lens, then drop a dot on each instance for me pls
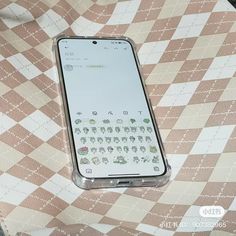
(95, 42)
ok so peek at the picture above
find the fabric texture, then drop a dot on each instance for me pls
(187, 50)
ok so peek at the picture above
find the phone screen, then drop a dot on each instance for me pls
(112, 128)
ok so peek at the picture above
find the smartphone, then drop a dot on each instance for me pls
(114, 138)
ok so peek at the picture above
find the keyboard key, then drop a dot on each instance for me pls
(136, 159)
(117, 129)
(92, 139)
(77, 130)
(94, 130)
(86, 130)
(93, 150)
(124, 139)
(100, 140)
(96, 160)
(109, 130)
(145, 159)
(152, 149)
(126, 129)
(102, 129)
(105, 160)
(83, 151)
(146, 120)
(84, 160)
(126, 149)
(132, 120)
(142, 129)
(102, 150)
(120, 160)
(116, 140)
(83, 140)
(108, 139)
(142, 149)
(134, 149)
(110, 149)
(119, 121)
(133, 129)
(140, 138)
(119, 149)
(132, 138)
(78, 121)
(92, 121)
(149, 129)
(106, 121)
(155, 159)
(148, 139)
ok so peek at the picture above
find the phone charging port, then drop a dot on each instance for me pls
(123, 183)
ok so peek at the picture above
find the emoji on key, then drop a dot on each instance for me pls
(96, 161)
(77, 121)
(134, 149)
(146, 120)
(100, 140)
(86, 130)
(119, 121)
(152, 149)
(84, 161)
(136, 159)
(117, 129)
(83, 140)
(105, 160)
(83, 151)
(103, 129)
(106, 121)
(132, 120)
(92, 121)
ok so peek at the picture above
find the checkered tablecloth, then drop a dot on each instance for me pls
(188, 52)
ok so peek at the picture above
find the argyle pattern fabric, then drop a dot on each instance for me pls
(187, 50)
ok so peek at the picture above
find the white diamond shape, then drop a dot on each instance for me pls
(191, 25)
(14, 190)
(150, 53)
(124, 12)
(62, 188)
(212, 139)
(24, 66)
(179, 94)
(52, 23)
(40, 125)
(14, 14)
(5, 123)
(82, 26)
(221, 67)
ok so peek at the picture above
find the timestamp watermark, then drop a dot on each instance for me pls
(209, 217)
(193, 224)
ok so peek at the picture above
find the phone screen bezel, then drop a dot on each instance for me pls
(66, 106)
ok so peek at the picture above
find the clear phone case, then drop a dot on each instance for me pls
(89, 183)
